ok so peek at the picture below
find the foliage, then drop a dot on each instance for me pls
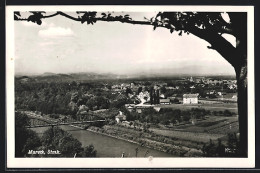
(166, 115)
(57, 139)
(175, 100)
(120, 102)
(55, 116)
(52, 139)
(97, 124)
(226, 113)
(128, 91)
(25, 139)
(220, 150)
(98, 102)
(89, 151)
(163, 90)
(58, 98)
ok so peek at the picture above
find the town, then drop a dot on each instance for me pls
(178, 115)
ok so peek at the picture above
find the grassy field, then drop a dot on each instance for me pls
(212, 107)
(189, 136)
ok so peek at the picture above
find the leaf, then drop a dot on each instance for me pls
(39, 22)
(154, 27)
(171, 30)
(17, 13)
(36, 17)
(104, 15)
(180, 34)
(15, 17)
(82, 21)
(158, 15)
(93, 14)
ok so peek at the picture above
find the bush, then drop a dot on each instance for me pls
(219, 150)
(25, 139)
(89, 151)
(55, 116)
(227, 113)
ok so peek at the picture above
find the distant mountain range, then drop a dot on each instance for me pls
(187, 70)
(88, 76)
(190, 70)
(59, 77)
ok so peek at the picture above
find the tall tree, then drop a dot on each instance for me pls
(25, 139)
(57, 139)
(151, 95)
(157, 96)
(208, 26)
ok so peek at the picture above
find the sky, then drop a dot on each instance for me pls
(61, 45)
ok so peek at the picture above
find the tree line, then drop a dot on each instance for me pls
(65, 98)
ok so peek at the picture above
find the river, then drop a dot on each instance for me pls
(107, 146)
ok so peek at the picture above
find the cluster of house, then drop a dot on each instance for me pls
(123, 86)
(211, 81)
(187, 99)
(144, 96)
(120, 117)
(134, 87)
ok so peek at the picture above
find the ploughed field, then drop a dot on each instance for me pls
(213, 127)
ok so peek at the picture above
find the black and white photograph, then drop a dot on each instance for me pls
(130, 86)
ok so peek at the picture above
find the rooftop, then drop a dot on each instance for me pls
(190, 95)
(164, 100)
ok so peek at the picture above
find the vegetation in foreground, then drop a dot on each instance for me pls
(54, 142)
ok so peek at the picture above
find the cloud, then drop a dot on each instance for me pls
(56, 32)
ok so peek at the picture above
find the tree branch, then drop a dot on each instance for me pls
(96, 18)
(68, 16)
(52, 15)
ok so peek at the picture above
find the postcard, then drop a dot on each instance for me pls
(130, 86)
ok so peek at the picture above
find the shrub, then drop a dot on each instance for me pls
(227, 113)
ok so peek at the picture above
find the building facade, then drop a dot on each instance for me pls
(190, 98)
(120, 117)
